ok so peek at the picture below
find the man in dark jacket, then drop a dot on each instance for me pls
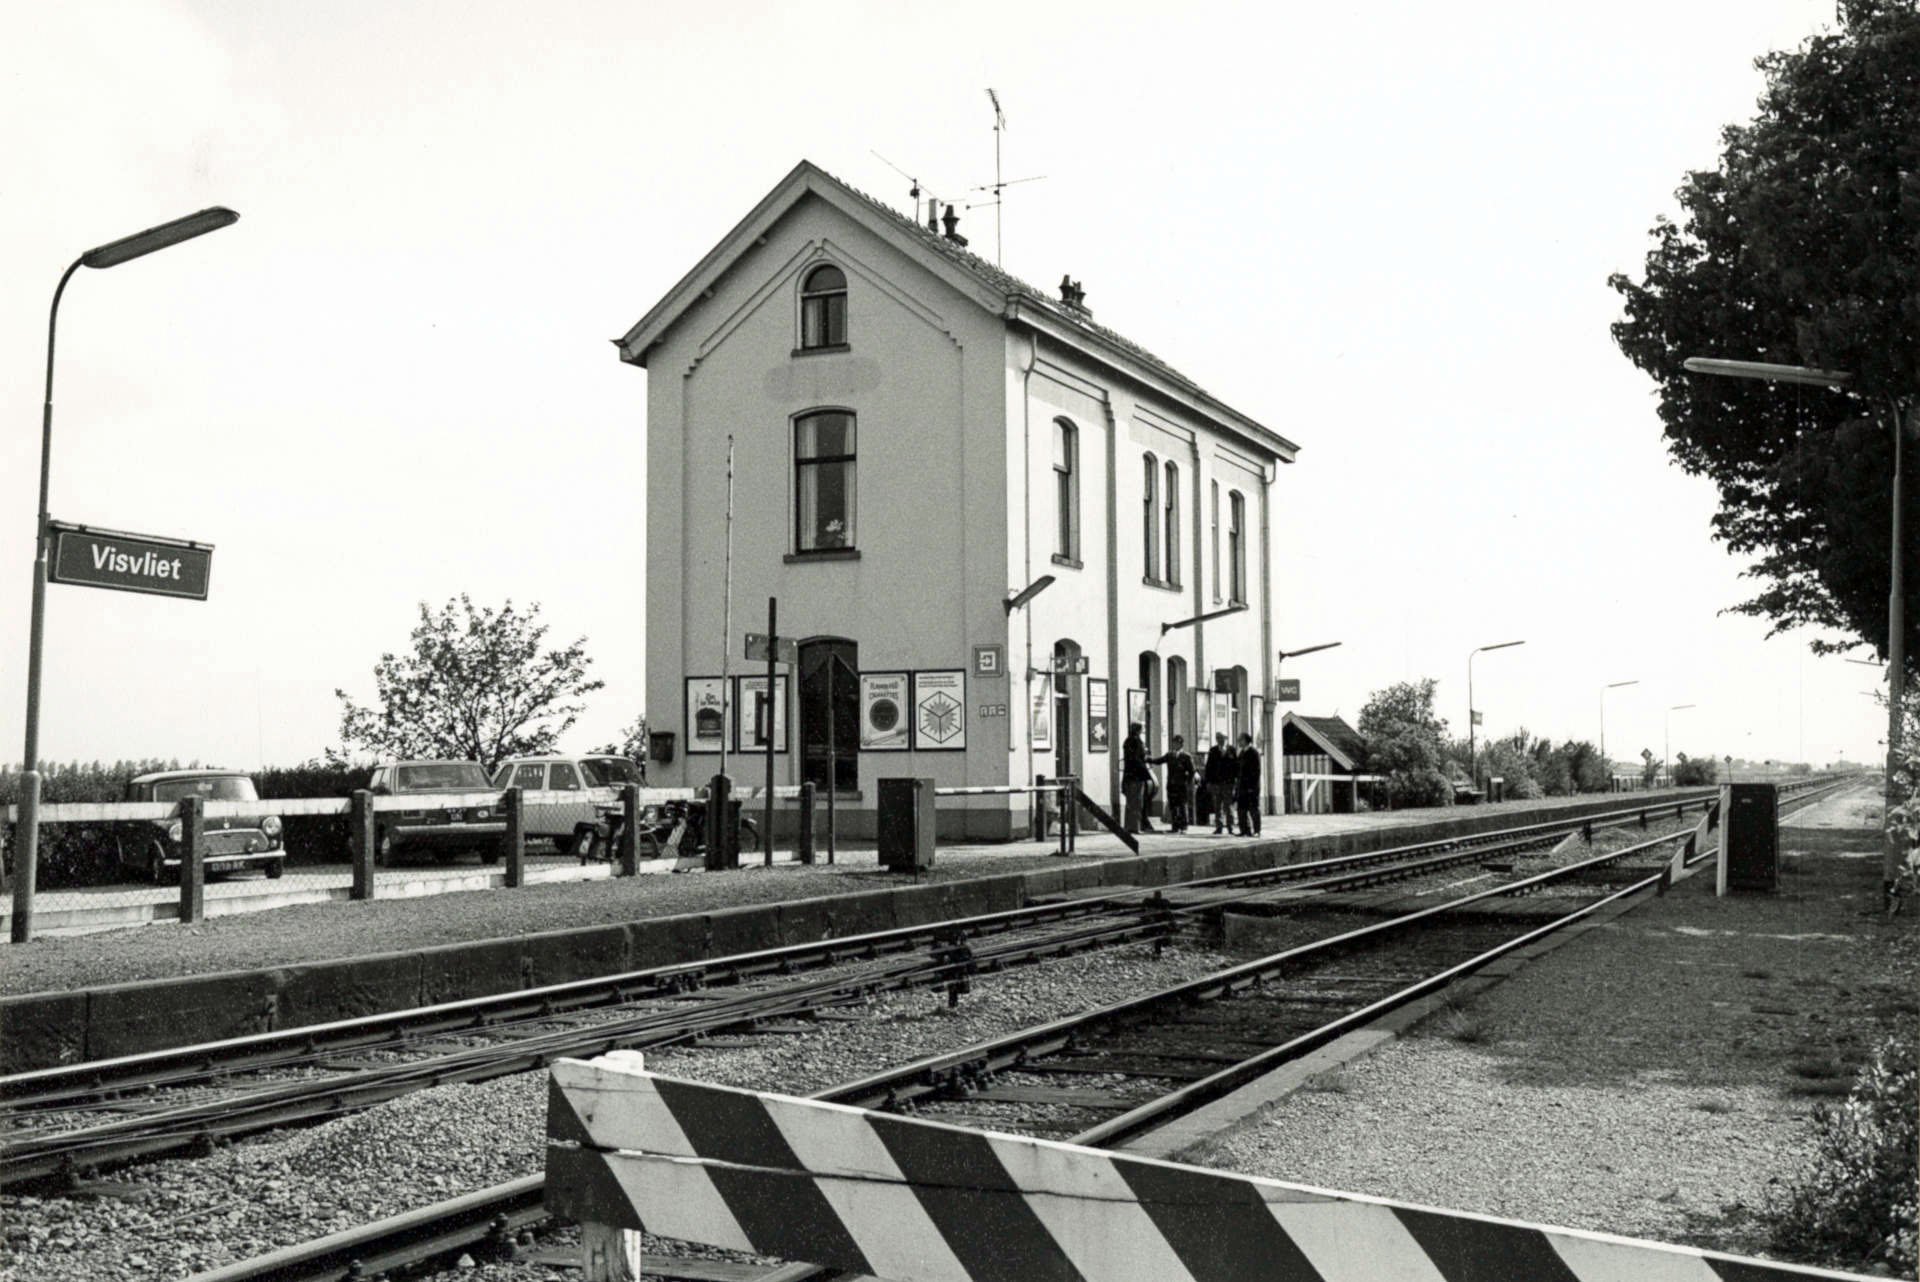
(1135, 779)
(1220, 777)
(1247, 785)
(1179, 764)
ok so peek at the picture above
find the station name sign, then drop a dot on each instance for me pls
(114, 559)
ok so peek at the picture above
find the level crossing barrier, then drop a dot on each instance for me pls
(918, 1201)
(1053, 798)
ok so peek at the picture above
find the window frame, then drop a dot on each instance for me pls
(1236, 547)
(1150, 532)
(851, 461)
(814, 299)
(1170, 511)
(1066, 492)
(1215, 539)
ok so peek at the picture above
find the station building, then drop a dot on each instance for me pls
(917, 439)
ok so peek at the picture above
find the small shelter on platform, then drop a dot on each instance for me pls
(1324, 757)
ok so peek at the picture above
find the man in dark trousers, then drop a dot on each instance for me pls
(1135, 779)
(1220, 777)
(1246, 793)
(1179, 764)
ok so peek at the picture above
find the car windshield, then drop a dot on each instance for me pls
(443, 774)
(210, 787)
(609, 772)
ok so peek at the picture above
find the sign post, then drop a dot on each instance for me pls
(92, 558)
(774, 648)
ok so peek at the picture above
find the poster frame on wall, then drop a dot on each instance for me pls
(744, 691)
(1137, 708)
(1099, 716)
(1258, 716)
(698, 695)
(1223, 717)
(1202, 718)
(950, 681)
(876, 689)
(1040, 715)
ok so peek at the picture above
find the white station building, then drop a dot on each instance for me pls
(918, 438)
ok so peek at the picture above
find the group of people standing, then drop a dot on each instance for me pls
(1230, 777)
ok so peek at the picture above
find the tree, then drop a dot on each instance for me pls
(1802, 248)
(632, 743)
(1406, 742)
(476, 687)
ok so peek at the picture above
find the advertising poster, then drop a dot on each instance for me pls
(1137, 708)
(1099, 719)
(1223, 717)
(884, 709)
(706, 714)
(750, 717)
(1202, 720)
(940, 710)
(1040, 731)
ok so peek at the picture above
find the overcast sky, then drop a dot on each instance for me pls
(1382, 230)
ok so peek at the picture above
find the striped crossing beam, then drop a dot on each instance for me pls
(916, 1201)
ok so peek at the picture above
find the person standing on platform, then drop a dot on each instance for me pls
(1179, 764)
(1248, 781)
(1135, 779)
(1222, 775)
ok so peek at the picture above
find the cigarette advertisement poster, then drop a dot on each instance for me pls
(1137, 708)
(706, 714)
(1040, 733)
(1202, 719)
(940, 710)
(884, 708)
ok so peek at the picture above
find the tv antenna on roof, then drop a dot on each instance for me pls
(999, 184)
(915, 191)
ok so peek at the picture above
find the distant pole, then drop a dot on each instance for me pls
(773, 641)
(1473, 759)
(833, 750)
(726, 628)
(1615, 685)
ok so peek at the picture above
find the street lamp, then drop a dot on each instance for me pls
(1614, 685)
(1666, 740)
(109, 255)
(1891, 854)
(1473, 758)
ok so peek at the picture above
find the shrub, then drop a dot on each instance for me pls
(1855, 1201)
(1693, 772)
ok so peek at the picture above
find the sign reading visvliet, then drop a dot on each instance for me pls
(93, 558)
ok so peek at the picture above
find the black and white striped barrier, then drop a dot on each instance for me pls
(916, 1201)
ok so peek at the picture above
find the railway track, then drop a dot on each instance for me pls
(65, 1123)
(1097, 1078)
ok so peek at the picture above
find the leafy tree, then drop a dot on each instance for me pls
(1649, 768)
(1693, 772)
(1801, 248)
(632, 743)
(476, 686)
(1406, 742)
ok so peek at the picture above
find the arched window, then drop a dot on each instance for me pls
(1150, 529)
(1066, 479)
(1170, 504)
(823, 308)
(1237, 547)
(823, 459)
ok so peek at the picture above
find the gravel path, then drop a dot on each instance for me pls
(1653, 1078)
(170, 1219)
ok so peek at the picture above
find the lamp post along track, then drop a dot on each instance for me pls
(481, 1223)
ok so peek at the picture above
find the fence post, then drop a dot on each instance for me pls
(515, 837)
(803, 836)
(629, 853)
(360, 841)
(26, 851)
(193, 867)
(722, 834)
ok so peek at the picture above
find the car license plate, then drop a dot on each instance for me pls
(454, 816)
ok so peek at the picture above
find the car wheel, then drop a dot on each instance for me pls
(490, 853)
(564, 845)
(275, 869)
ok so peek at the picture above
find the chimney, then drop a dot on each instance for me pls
(952, 220)
(933, 215)
(1074, 296)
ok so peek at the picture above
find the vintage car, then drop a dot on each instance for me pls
(151, 847)
(445, 831)
(581, 824)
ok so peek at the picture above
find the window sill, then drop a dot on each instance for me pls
(825, 554)
(1071, 562)
(829, 350)
(1161, 584)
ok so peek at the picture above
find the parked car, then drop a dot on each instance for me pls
(445, 831)
(584, 823)
(151, 847)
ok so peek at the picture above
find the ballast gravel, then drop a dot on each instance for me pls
(171, 1219)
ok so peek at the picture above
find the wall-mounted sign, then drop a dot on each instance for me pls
(990, 709)
(940, 711)
(884, 709)
(989, 661)
(1137, 708)
(1286, 690)
(1040, 728)
(1069, 664)
(1202, 719)
(93, 558)
(706, 714)
(1099, 718)
(1223, 720)
(785, 649)
(751, 714)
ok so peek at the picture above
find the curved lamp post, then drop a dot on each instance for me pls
(1892, 856)
(1473, 757)
(113, 254)
(1612, 685)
